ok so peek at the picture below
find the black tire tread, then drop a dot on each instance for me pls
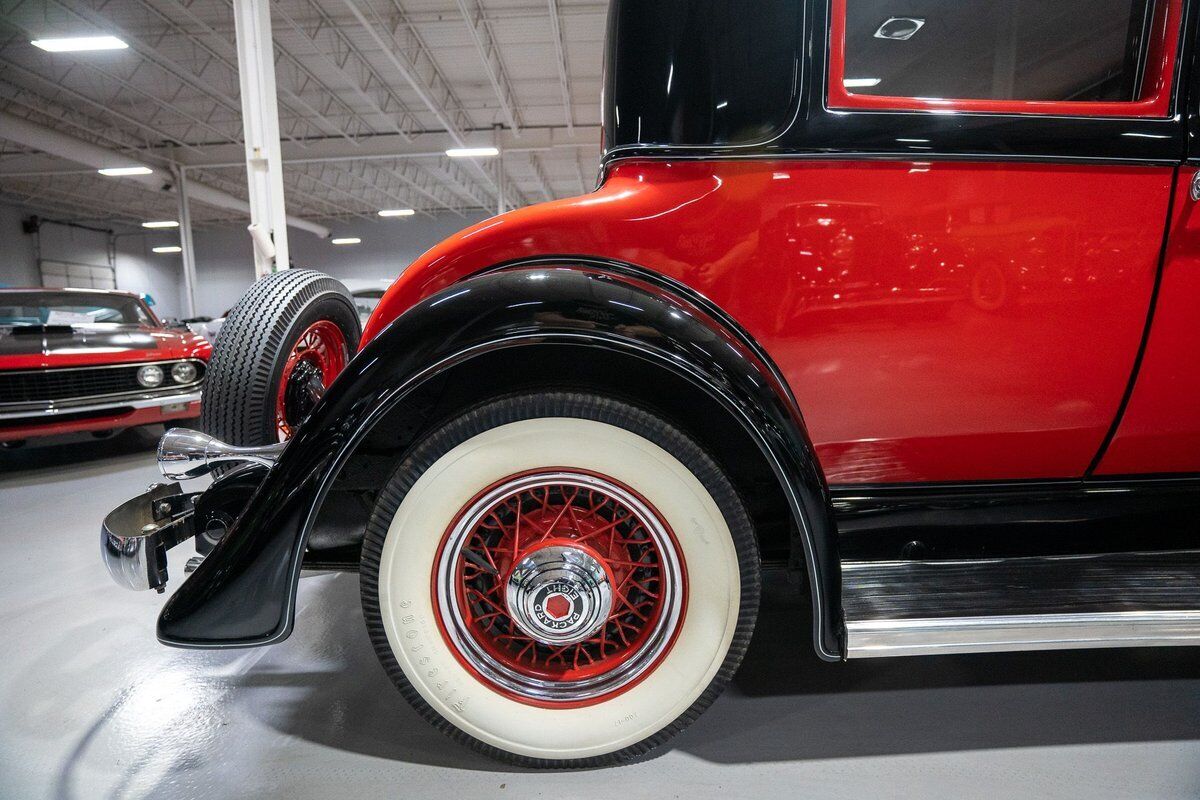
(245, 355)
(584, 406)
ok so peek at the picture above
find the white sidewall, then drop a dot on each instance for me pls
(410, 551)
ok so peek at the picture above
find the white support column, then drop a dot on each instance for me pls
(500, 183)
(185, 242)
(260, 121)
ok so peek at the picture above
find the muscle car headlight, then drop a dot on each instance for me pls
(150, 376)
(183, 372)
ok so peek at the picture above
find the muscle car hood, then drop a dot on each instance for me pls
(33, 347)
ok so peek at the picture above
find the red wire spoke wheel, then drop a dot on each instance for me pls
(317, 357)
(560, 587)
(559, 579)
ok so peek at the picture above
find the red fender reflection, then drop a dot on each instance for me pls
(937, 321)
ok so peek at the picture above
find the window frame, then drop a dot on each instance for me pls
(1157, 79)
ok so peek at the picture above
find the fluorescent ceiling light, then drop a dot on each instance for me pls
(170, 248)
(116, 172)
(860, 83)
(397, 212)
(75, 44)
(347, 240)
(472, 152)
(161, 223)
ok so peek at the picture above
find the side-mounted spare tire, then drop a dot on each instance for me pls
(278, 350)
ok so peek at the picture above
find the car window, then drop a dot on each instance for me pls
(700, 72)
(365, 301)
(996, 49)
(1101, 57)
(70, 308)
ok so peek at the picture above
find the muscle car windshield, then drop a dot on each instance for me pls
(18, 309)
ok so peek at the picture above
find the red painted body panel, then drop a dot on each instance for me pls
(1155, 96)
(1160, 429)
(940, 321)
(143, 344)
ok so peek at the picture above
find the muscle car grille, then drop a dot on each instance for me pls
(36, 386)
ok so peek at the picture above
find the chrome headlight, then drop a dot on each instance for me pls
(183, 372)
(150, 376)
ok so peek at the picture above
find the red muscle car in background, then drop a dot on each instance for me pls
(76, 360)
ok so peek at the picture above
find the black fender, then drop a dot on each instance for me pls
(243, 594)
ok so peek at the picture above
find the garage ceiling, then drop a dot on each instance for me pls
(371, 92)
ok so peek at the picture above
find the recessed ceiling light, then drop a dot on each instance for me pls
(472, 152)
(397, 212)
(116, 172)
(347, 240)
(860, 83)
(161, 223)
(169, 248)
(75, 44)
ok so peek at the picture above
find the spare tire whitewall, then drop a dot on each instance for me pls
(716, 590)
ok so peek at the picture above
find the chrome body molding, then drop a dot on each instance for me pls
(923, 637)
(40, 413)
(185, 453)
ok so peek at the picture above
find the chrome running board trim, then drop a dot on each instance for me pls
(985, 634)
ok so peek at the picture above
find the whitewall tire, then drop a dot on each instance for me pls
(559, 579)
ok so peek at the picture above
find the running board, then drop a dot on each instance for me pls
(898, 608)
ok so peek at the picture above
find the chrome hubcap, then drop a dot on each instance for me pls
(559, 594)
(559, 586)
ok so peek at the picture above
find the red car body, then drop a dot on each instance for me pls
(69, 379)
(939, 318)
(866, 283)
(923, 287)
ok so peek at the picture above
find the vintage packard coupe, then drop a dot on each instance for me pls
(901, 297)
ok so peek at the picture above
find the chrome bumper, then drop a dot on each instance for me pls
(136, 535)
(44, 414)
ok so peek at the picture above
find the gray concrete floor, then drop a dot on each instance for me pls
(92, 707)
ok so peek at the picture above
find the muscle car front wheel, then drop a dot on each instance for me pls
(559, 579)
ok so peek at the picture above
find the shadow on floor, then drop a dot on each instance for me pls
(784, 704)
(78, 451)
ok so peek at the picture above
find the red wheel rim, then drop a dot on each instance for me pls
(317, 357)
(566, 518)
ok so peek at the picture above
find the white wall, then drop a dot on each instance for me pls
(224, 267)
(18, 266)
(224, 261)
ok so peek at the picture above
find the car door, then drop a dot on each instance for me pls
(1019, 160)
(1159, 431)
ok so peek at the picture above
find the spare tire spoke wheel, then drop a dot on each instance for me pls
(280, 348)
(315, 360)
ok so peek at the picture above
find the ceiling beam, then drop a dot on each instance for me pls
(561, 62)
(489, 55)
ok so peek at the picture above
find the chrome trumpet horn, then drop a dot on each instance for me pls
(184, 454)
